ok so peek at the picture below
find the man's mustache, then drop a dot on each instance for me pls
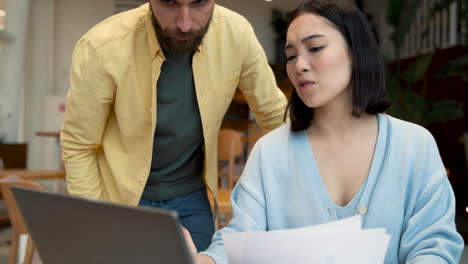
(191, 33)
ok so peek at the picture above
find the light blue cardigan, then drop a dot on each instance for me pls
(407, 192)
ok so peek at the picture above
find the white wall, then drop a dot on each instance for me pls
(74, 18)
(55, 27)
(12, 74)
(2, 20)
(2, 7)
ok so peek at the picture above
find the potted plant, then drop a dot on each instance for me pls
(279, 22)
(419, 106)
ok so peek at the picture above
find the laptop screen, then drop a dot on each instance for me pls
(73, 230)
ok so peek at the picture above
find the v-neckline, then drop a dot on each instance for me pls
(310, 162)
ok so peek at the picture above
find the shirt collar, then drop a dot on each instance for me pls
(153, 42)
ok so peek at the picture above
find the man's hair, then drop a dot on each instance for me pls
(368, 72)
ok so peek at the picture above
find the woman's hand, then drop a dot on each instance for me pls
(190, 244)
(199, 258)
(204, 259)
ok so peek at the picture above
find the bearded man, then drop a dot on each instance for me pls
(149, 90)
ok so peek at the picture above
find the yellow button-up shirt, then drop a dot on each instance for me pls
(110, 118)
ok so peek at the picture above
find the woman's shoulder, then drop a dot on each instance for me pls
(402, 129)
(276, 139)
(279, 134)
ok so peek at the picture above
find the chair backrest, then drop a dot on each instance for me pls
(230, 144)
(2, 166)
(16, 219)
(14, 155)
(253, 136)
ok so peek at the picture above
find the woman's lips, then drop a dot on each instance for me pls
(304, 85)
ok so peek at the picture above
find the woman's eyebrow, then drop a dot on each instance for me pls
(289, 46)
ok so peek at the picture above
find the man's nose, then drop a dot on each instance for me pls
(184, 19)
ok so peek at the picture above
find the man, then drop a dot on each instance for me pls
(149, 89)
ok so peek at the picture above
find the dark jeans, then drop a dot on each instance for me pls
(194, 214)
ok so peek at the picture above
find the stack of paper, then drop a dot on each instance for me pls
(342, 241)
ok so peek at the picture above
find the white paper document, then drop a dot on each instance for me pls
(342, 241)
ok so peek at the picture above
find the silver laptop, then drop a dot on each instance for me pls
(71, 230)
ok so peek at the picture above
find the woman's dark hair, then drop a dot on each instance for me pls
(368, 72)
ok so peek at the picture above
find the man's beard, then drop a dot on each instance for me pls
(174, 46)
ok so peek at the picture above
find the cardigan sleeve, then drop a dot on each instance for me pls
(429, 234)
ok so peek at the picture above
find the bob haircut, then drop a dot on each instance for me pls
(368, 72)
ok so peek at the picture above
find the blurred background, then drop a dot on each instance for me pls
(424, 43)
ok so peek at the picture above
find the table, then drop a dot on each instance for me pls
(32, 175)
(48, 134)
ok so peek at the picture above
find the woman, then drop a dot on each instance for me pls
(340, 156)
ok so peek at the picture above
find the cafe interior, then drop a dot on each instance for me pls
(37, 39)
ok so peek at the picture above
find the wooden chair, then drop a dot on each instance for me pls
(224, 207)
(230, 147)
(254, 134)
(14, 155)
(38, 175)
(4, 219)
(17, 221)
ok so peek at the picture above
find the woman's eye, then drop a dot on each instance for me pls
(290, 58)
(315, 49)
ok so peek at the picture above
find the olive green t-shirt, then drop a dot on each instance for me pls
(177, 163)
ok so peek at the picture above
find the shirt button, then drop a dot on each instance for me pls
(362, 210)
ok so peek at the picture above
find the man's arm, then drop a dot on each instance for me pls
(257, 83)
(88, 102)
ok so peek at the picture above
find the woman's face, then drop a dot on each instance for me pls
(319, 64)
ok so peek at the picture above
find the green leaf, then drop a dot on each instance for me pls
(443, 110)
(418, 68)
(393, 12)
(278, 22)
(455, 67)
(406, 15)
